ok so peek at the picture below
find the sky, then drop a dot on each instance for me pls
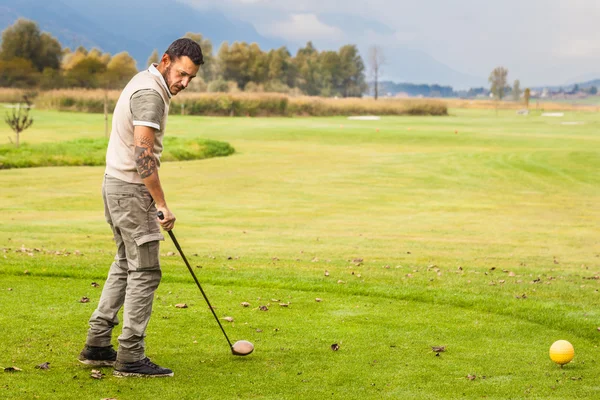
(541, 42)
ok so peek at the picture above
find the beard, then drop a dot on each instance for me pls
(167, 80)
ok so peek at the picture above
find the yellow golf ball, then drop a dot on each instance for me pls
(561, 352)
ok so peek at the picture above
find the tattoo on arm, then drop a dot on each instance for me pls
(144, 161)
(144, 156)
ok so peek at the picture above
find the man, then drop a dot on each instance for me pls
(133, 195)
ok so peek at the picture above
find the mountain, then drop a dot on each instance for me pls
(138, 27)
(416, 66)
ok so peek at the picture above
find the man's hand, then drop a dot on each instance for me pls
(168, 222)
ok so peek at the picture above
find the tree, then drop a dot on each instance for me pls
(527, 96)
(307, 66)
(497, 81)
(594, 90)
(516, 90)
(353, 72)
(210, 68)
(87, 73)
(24, 40)
(153, 59)
(19, 119)
(119, 70)
(376, 60)
(18, 73)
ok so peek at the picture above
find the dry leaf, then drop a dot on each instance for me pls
(438, 349)
(512, 274)
(335, 347)
(245, 304)
(326, 273)
(84, 300)
(170, 253)
(340, 282)
(263, 308)
(259, 330)
(45, 365)
(284, 304)
(12, 369)
(181, 305)
(318, 300)
(228, 319)
(96, 374)
(471, 377)
(94, 284)
(275, 300)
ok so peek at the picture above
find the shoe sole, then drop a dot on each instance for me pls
(121, 374)
(98, 363)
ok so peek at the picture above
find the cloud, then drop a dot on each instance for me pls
(300, 28)
(539, 41)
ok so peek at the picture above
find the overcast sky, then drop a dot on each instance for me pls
(541, 42)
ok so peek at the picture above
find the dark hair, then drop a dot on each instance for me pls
(186, 47)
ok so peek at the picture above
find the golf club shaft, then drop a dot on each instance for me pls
(172, 235)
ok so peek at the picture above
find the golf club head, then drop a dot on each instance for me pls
(242, 348)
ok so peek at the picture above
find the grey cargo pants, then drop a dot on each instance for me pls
(135, 273)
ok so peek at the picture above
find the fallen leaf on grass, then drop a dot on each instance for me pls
(318, 300)
(471, 377)
(181, 305)
(263, 308)
(45, 365)
(245, 304)
(284, 304)
(94, 284)
(335, 347)
(341, 282)
(438, 349)
(228, 319)
(275, 300)
(108, 398)
(84, 300)
(326, 273)
(170, 253)
(12, 369)
(10, 289)
(96, 374)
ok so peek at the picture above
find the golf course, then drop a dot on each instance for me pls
(411, 257)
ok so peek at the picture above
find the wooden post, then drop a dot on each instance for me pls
(106, 113)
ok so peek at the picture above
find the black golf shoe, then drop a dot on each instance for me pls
(98, 356)
(143, 368)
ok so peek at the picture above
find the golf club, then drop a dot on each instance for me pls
(239, 348)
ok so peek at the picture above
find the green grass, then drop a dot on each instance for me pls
(453, 229)
(92, 152)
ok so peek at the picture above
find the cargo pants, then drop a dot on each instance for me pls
(135, 273)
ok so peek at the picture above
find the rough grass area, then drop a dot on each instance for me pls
(91, 152)
(238, 104)
(475, 232)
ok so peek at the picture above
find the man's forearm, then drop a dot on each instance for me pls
(146, 166)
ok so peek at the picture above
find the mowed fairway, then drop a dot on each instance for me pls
(474, 231)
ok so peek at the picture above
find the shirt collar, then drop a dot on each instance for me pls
(152, 69)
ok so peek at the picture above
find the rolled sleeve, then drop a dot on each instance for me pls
(147, 108)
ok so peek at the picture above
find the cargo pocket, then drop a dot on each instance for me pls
(148, 250)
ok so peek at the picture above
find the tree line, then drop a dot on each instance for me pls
(30, 58)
